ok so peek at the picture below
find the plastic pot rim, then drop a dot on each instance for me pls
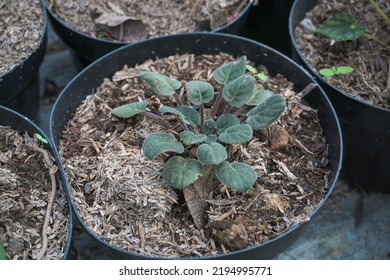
(52, 149)
(120, 43)
(316, 75)
(222, 36)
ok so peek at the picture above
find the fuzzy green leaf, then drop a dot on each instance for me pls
(213, 153)
(180, 172)
(188, 114)
(2, 252)
(238, 92)
(342, 27)
(230, 71)
(259, 96)
(262, 77)
(237, 134)
(199, 92)
(160, 142)
(344, 70)
(160, 84)
(129, 110)
(41, 138)
(211, 139)
(225, 121)
(209, 126)
(327, 72)
(266, 112)
(236, 175)
(190, 138)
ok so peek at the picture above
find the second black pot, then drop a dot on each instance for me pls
(203, 43)
(366, 128)
(86, 49)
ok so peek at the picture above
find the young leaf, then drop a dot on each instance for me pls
(342, 27)
(41, 138)
(211, 139)
(129, 110)
(238, 92)
(160, 84)
(199, 92)
(266, 112)
(230, 71)
(213, 153)
(225, 121)
(209, 127)
(344, 70)
(237, 134)
(190, 138)
(188, 114)
(327, 72)
(258, 96)
(262, 77)
(236, 175)
(158, 143)
(251, 69)
(180, 172)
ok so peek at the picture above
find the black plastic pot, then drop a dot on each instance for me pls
(19, 88)
(202, 43)
(86, 49)
(268, 22)
(366, 128)
(22, 124)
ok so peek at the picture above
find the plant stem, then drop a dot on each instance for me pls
(201, 113)
(216, 104)
(177, 99)
(156, 117)
(369, 36)
(240, 110)
(379, 10)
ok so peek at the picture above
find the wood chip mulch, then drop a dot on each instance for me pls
(21, 24)
(25, 190)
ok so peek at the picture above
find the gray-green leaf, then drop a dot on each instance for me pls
(2, 252)
(160, 142)
(258, 96)
(180, 172)
(237, 134)
(190, 138)
(236, 175)
(213, 153)
(211, 139)
(209, 127)
(199, 92)
(342, 27)
(230, 71)
(188, 114)
(266, 112)
(238, 92)
(225, 121)
(160, 84)
(129, 110)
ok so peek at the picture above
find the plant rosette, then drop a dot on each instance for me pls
(194, 156)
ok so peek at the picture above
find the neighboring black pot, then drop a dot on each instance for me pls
(19, 88)
(268, 24)
(22, 124)
(202, 43)
(366, 128)
(86, 49)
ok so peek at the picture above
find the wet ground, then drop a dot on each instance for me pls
(351, 225)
